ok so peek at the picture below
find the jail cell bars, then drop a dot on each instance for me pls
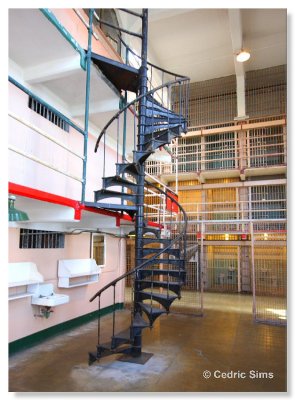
(270, 274)
(233, 204)
(220, 272)
(191, 301)
(215, 100)
(212, 101)
(266, 91)
(269, 269)
(257, 147)
(268, 202)
(266, 147)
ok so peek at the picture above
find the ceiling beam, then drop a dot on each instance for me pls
(236, 32)
(52, 70)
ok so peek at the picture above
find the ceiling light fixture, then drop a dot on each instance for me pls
(13, 213)
(243, 56)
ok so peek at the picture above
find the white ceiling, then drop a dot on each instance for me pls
(29, 41)
(198, 42)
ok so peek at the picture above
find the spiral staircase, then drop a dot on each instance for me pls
(159, 273)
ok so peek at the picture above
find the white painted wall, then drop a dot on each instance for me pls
(26, 172)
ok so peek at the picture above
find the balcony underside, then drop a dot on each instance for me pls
(122, 76)
(203, 176)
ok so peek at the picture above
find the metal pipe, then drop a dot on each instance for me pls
(131, 12)
(101, 21)
(86, 117)
(139, 221)
(52, 18)
(76, 11)
(254, 310)
(45, 104)
(124, 102)
(44, 134)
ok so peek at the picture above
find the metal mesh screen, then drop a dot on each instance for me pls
(191, 301)
(269, 264)
(266, 91)
(220, 269)
(266, 146)
(212, 101)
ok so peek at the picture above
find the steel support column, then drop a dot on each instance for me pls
(87, 95)
(139, 222)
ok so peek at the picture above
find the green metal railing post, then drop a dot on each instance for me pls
(86, 117)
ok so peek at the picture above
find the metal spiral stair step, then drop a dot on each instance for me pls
(160, 127)
(153, 119)
(153, 231)
(127, 168)
(139, 322)
(162, 113)
(162, 298)
(178, 262)
(120, 338)
(151, 240)
(151, 312)
(105, 350)
(175, 273)
(129, 209)
(155, 106)
(139, 157)
(116, 180)
(105, 193)
(169, 285)
(153, 250)
(166, 135)
(154, 144)
(121, 75)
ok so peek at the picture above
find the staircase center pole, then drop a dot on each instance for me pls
(139, 221)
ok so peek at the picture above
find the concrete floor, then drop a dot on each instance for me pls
(184, 347)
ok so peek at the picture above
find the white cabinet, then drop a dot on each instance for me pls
(77, 272)
(22, 279)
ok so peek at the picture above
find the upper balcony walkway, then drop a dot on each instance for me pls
(256, 147)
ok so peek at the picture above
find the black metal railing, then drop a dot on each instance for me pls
(181, 87)
(178, 242)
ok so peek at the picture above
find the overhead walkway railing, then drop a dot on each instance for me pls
(257, 144)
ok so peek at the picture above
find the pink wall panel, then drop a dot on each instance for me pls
(22, 321)
(78, 30)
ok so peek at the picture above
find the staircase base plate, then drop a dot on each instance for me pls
(141, 358)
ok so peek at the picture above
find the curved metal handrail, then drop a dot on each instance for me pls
(169, 83)
(174, 241)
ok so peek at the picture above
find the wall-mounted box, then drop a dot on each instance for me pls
(22, 277)
(77, 272)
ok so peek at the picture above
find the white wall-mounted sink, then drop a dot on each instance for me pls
(45, 296)
(51, 301)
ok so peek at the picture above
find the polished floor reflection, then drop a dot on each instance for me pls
(223, 351)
